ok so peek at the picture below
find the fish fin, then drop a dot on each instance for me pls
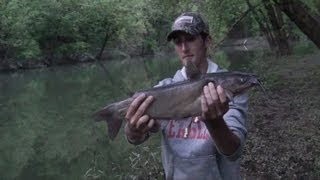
(192, 71)
(111, 115)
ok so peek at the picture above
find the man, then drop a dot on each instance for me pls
(206, 147)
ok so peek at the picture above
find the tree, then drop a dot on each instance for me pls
(278, 29)
(299, 13)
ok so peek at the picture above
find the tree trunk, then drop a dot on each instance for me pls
(279, 33)
(268, 31)
(104, 43)
(299, 13)
(262, 26)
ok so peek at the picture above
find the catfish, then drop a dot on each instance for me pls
(178, 100)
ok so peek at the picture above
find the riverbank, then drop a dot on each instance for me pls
(283, 127)
(12, 65)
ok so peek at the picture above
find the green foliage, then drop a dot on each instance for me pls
(34, 27)
(37, 28)
(314, 5)
(222, 15)
(73, 47)
(221, 59)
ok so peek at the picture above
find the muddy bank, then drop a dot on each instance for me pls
(284, 126)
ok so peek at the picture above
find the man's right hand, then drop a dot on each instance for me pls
(139, 124)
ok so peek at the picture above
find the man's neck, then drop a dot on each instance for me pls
(203, 66)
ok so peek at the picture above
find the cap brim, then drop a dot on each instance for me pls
(173, 33)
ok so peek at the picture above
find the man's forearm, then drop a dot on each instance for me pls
(226, 141)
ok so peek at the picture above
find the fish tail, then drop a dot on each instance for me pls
(111, 115)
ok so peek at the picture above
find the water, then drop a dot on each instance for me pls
(46, 129)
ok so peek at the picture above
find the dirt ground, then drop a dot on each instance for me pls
(284, 125)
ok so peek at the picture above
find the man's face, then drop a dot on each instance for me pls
(190, 48)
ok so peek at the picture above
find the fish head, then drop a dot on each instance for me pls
(237, 82)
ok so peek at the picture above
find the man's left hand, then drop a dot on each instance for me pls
(214, 103)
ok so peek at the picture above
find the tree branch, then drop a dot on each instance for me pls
(243, 15)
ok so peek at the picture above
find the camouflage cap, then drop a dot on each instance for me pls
(189, 22)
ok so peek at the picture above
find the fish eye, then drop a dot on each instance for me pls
(242, 80)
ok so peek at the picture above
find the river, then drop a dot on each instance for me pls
(46, 128)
